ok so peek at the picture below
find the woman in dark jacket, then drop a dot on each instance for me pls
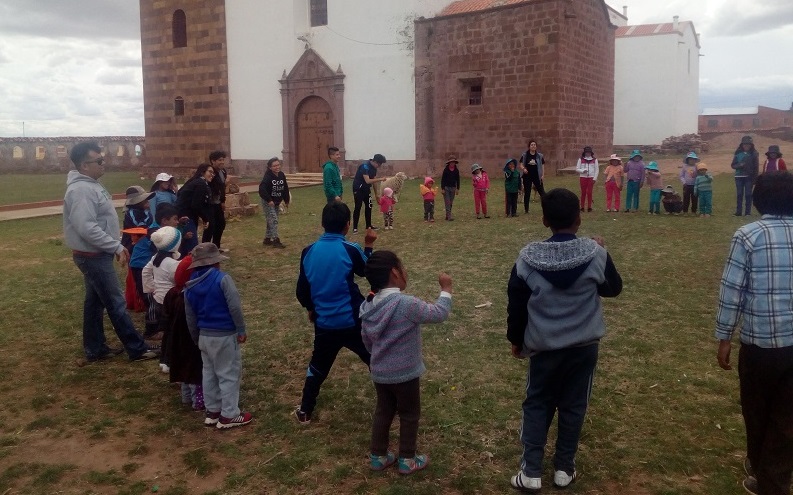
(531, 167)
(193, 202)
(450, 184)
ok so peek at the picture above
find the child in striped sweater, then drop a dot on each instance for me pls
(390, 329)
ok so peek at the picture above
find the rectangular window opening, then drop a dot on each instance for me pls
(319, 12)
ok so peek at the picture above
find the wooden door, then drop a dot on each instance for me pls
(314, 134)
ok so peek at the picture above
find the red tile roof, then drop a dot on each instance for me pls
(463, 6)
(650, 29)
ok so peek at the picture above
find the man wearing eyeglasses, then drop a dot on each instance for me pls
(91, 229)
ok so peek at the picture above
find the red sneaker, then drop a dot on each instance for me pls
(241, 420)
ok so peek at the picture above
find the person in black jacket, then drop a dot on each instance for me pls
(192, 202)
(273, 189)
(217, 203)
(450, 185)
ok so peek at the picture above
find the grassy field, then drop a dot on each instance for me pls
(664, 419)
(29, 188)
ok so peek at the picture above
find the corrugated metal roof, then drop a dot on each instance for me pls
(463, 6)
(730, 111)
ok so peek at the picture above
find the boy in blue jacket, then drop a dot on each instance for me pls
(326, 288)
(554, 317)
(214, 316)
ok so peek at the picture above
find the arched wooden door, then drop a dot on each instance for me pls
(314, 133)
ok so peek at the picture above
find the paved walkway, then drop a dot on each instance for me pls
(47, 211)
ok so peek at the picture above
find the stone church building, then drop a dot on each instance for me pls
(415, 80)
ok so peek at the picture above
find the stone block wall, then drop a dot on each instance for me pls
(51, 154)
(546, 70)
(197, 73)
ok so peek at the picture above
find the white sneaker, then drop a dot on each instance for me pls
(525, 484)
(165, 368)
(562, 480)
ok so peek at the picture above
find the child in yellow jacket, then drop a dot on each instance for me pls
(428, 191)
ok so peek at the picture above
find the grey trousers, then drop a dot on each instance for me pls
(222, 371)
(271, 216)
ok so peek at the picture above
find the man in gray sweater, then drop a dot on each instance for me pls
(554, 317)
(91, 230)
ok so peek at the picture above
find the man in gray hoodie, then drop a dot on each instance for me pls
(91, 230)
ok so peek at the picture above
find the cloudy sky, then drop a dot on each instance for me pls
(73, 67)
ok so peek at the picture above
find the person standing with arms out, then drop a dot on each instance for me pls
(756, 298)
(217, 204)
(326, 288)
(531, 164)
(746, 163)
(450, 184)
(91, 230)
(391, 331)
(362, 190)
(331, 176)
(555, 318)
(587, 168)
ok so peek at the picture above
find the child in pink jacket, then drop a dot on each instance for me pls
(387, 201)
(481, 185)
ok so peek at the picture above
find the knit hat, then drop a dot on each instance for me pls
(747, 140)
(206, 254)
(652, 166)
(701, 166)
(615, 157)
(388, 192)
(635, 153)
(136, 194)
(167, 239)
(452, 159)
(475, 167)
(693, 156)
(773, 149)
(668, 190)
(428, 180)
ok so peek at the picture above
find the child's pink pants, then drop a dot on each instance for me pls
(480, 201)
(612, 191)
(587, 184)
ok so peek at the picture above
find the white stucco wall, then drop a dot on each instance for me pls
(372, 41)
(656, 87)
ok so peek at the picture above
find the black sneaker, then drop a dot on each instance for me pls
(374, 228)
(747, 467)
(267, 241)
(354, 231)
(303, 418)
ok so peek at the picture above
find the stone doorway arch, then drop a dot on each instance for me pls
(312, 97)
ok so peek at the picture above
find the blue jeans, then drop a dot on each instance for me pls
(557, 380)
(103, 292)
(743, 186)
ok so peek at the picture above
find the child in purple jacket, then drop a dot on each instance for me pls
(634, 174)
(390, 329)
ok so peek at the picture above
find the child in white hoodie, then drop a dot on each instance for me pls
(587, 168)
